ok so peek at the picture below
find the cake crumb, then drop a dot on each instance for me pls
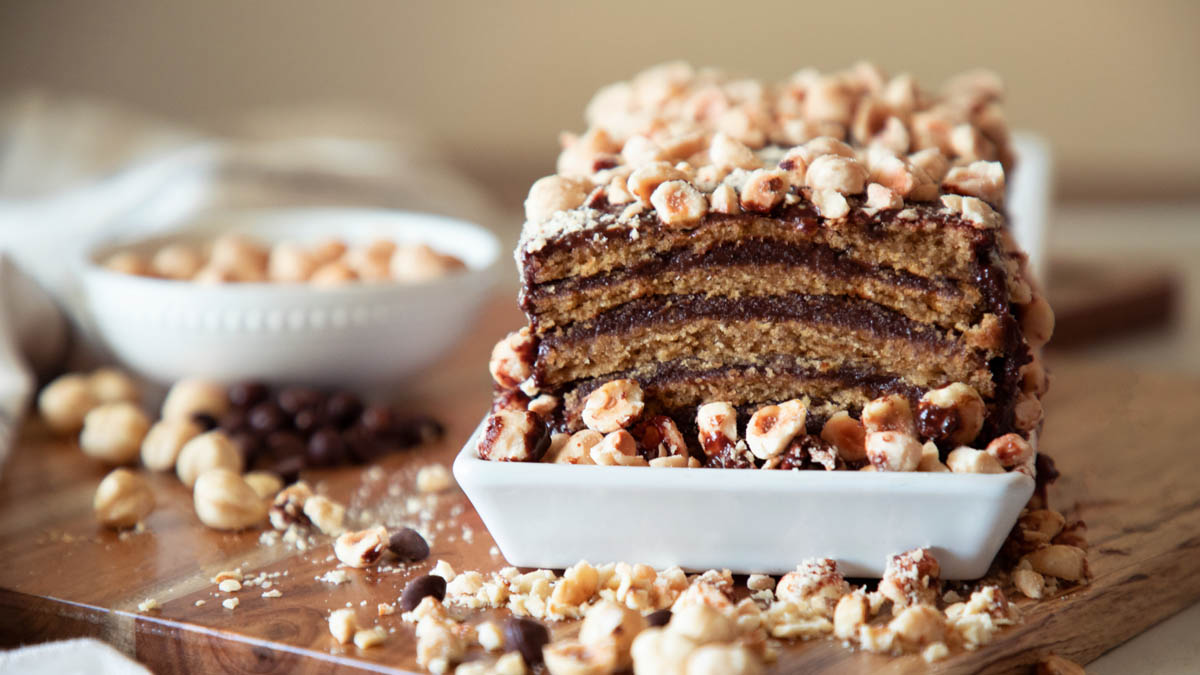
(148, 605)
(231, 603)
(229, 586)
(273, 593)
(433, 478)
(334, 577)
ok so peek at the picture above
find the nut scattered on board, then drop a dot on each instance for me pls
(113, 432)
(264, 483)
(161, 446)
(361, 548)
(123, 499)
(65, 402)
(211, 450)
(110, 385)
(342, 625)
(434, 478)
(225, 501)
(190, 397)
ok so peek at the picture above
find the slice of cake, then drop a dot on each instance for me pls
(810, 274)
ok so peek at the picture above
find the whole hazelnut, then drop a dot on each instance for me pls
(128, 262)
(110, 385)
(264, 483)
(290, 263)
(165, 439)
(225, 501)
(176, 261)
(64, 402)
(235, 251)
(418, 262)
(113, 432)
(327, 250)
(332, 274)
(122, 499)
(190, 396)
(212, 450)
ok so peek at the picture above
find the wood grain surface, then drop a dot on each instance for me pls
(1125, 442)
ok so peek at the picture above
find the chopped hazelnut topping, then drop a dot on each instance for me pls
(772, 427)
(725, 151)
(889, 413)
(839, 174)
(678, 203)
(831, 204)
(717, 424)
(969, 460)
(512, 358)
(512, 436)
(554, 193)
(614, 405)
(764, 190)
(893, 451)
(847, 435)
(645, 180)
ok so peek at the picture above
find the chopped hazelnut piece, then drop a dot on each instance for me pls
(614, 405)
(772, 427)
(678, 203)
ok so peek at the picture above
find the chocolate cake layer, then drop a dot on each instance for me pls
(719, 330)
(754, 267)
(919, 240)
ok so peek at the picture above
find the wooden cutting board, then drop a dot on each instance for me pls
(1126, 443)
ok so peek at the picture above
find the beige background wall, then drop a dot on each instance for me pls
(1114, 85)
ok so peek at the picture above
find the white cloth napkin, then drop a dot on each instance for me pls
(83, 656)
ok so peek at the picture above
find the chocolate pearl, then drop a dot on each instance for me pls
(659, 618)
(326, 448)
(364, 446)
(408, 545)
(420, 588)
(284, 444)
(246, 394)
(295, 399)
(249, 444)
(267, 417)
(378, 419)
(289, 468)
(342, 409)
(526, 636)
(308, 420)
(233, 421)
(205, 421)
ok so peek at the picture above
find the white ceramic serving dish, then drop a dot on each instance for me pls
(553, 515)
(360, 335)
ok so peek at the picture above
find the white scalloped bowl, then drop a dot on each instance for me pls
(554, 515)
(360, 335)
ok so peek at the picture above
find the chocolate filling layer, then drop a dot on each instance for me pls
(844, 312)
(816, 257)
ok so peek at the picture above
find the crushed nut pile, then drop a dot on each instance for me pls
(666, 621)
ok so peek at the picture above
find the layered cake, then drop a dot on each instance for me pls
(810, 274)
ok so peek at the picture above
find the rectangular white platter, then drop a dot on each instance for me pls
(553, 516)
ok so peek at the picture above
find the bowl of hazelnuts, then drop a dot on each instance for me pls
(327, 296)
